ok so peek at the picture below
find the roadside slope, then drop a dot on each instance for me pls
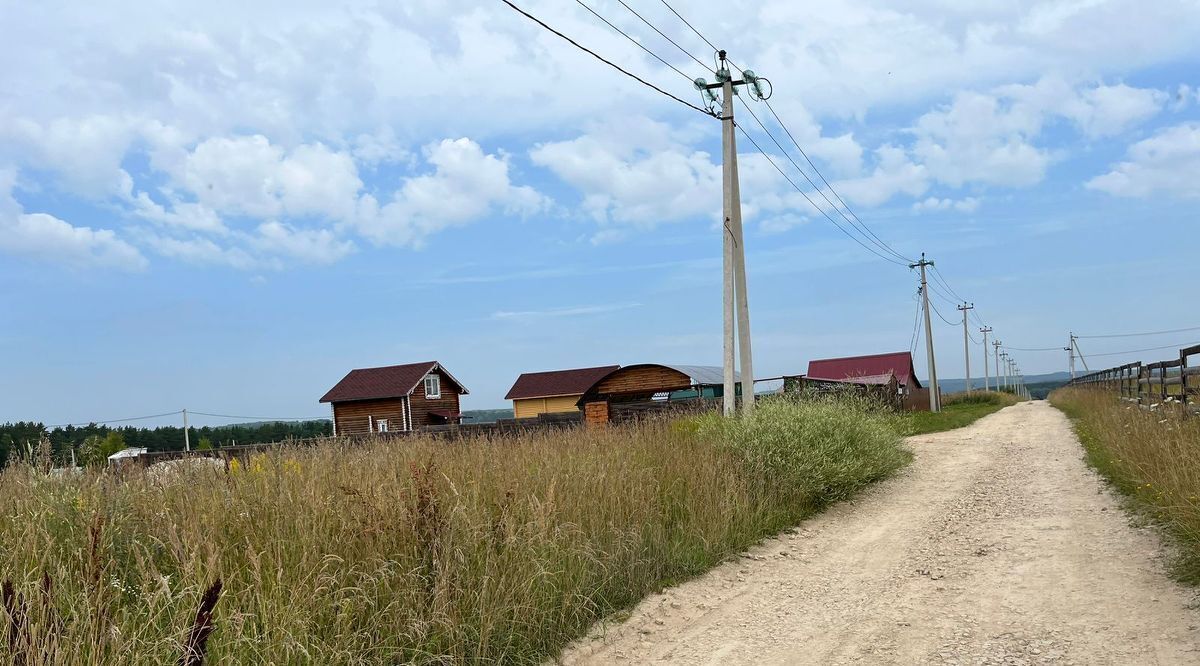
(997, 543)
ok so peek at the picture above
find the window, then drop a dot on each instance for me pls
(433, 386)
(382, 423)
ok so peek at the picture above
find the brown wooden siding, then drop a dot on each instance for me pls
(648, 379)
(352, 417)
(422, 406)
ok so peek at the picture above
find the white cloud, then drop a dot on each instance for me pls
(315, 246)
(569, 311)
(466, 184)
(894, 173)
(247, 175)
(966, 205)
(47, 238)
(1166, 163)
(778, 224)
(206, 252)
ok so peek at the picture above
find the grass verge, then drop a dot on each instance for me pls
(958, 410)
(411, 550)
(1150, 457)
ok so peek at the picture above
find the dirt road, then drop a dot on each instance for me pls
(996, 546)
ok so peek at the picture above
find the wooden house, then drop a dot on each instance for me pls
(394, 398)
(874, 369)
(553, 392)
(650, 382)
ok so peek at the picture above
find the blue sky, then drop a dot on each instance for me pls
(225, 208)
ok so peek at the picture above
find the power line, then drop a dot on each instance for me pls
(685, 22)
(635, 42)
(810, 201)
(1132, 335)
(663, 35)
(861, 225)
(604, 60)
(1136, 351)
(912, 346)
(880, 244)
(942, 279)
(262, 418)
(133, 418)
(939, 314)
(1033, 349)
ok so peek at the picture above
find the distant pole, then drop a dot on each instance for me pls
(996, 357)
(935, 400)
(1004, 355)
(966, 343)
(1070, 349)
(987, 380)
(187, 446)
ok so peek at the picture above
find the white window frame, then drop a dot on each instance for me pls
(381, 425)
(437, 385)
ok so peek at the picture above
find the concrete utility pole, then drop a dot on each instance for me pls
(996, 357)
(1070, 349)
(987, 380)
(966, 343)
(935, 400)
(734, 254)
(1004, 355)
(187, 446)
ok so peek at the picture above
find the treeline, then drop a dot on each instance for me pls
(18, 439)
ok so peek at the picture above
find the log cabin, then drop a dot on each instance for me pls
(554, 391)
(651, 381)
(394, 398)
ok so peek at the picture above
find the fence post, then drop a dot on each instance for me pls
(1183, 380)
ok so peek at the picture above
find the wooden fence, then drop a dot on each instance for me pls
(1150, 384)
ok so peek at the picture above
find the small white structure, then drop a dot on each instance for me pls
(127, 454)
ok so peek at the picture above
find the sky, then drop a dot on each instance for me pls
(226, 206)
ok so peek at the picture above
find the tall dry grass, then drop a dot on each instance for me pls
(1151, 456)
(423, 551)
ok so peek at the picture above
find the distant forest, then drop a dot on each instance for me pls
(16, 439)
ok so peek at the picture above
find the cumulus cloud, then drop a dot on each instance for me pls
(47, 238)
(247, 175)
(466, 184)
(1166, 163)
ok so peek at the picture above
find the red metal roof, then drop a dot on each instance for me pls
(391, 381)
(840, 369)
(557, 382)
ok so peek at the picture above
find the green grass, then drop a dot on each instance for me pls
(1151, 457)
(958, 410)
(496, 551)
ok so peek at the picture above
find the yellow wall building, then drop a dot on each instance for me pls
(551, 392)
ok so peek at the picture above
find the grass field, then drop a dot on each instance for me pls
(412, 550)
(958, 410)
(1151, 457)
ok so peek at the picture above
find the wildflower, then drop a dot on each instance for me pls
(234, 466)
(291, 466)
(256, 463)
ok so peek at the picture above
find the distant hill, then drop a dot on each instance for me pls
(486, 415)
(1052, 380)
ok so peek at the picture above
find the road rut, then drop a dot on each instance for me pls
(997, 545)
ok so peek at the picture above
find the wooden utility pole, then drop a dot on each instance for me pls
(967, 343)
(935, 400)
(987, 380)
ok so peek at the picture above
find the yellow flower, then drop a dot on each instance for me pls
(291, 466)
(234, 466)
